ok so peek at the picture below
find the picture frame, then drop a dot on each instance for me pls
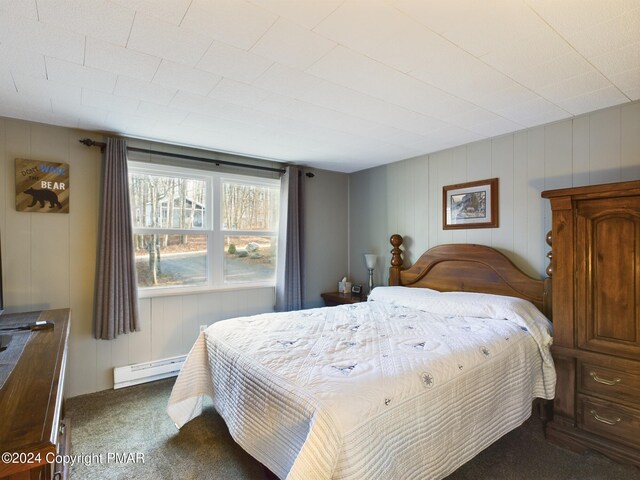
(42, 186)
(470, 205)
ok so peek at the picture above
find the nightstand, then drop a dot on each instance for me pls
(332, 299)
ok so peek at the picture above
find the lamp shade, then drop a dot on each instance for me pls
(370, 259)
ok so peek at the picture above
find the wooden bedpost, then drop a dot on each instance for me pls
(547, 309)
(396, 259)
(545, 407)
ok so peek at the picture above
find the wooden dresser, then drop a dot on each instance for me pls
(596, 318)
(32, 426)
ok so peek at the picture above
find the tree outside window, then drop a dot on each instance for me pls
(199, 229)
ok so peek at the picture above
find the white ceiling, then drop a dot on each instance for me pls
(340, 85)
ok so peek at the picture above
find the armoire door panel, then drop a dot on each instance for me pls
(608, 291)
(614, 292)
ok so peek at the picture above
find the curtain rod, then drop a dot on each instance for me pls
(91, 143)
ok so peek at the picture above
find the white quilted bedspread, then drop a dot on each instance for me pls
(397, 389)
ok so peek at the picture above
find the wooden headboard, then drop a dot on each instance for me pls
(469, 268)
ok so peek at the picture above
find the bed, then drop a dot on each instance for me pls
(410, 384)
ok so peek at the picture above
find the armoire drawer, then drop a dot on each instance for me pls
(610, 383)
(609, 420)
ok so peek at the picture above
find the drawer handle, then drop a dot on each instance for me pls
(605, 420)
(598, 379)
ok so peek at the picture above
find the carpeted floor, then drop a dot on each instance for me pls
(132, 424)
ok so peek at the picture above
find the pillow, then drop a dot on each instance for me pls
(406, 296)
(478, 305)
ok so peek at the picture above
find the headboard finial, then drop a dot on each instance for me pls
(396, 259)
(549, 240)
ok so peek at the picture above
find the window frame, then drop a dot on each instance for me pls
(213, 227)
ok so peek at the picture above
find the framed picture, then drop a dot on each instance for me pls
(42, 186)
(470, 205)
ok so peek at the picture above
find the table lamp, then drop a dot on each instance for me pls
(370, 260)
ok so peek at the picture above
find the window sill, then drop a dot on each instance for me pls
(179, 291)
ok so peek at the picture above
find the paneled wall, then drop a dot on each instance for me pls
(326, 234)
(49, 260)
(406, 197)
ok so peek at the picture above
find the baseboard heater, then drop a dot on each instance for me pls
(147, 371)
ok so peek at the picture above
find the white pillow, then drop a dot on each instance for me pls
(401, 295)
(478, 305)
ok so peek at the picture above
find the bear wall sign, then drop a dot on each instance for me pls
(42, 186)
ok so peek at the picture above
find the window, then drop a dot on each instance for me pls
(197, 230)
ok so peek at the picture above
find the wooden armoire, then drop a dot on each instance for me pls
(596, 319)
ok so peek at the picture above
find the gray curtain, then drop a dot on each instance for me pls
(290, 274)
(116, 291)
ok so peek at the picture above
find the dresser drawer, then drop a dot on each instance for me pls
(609, 420)
(610, 383)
